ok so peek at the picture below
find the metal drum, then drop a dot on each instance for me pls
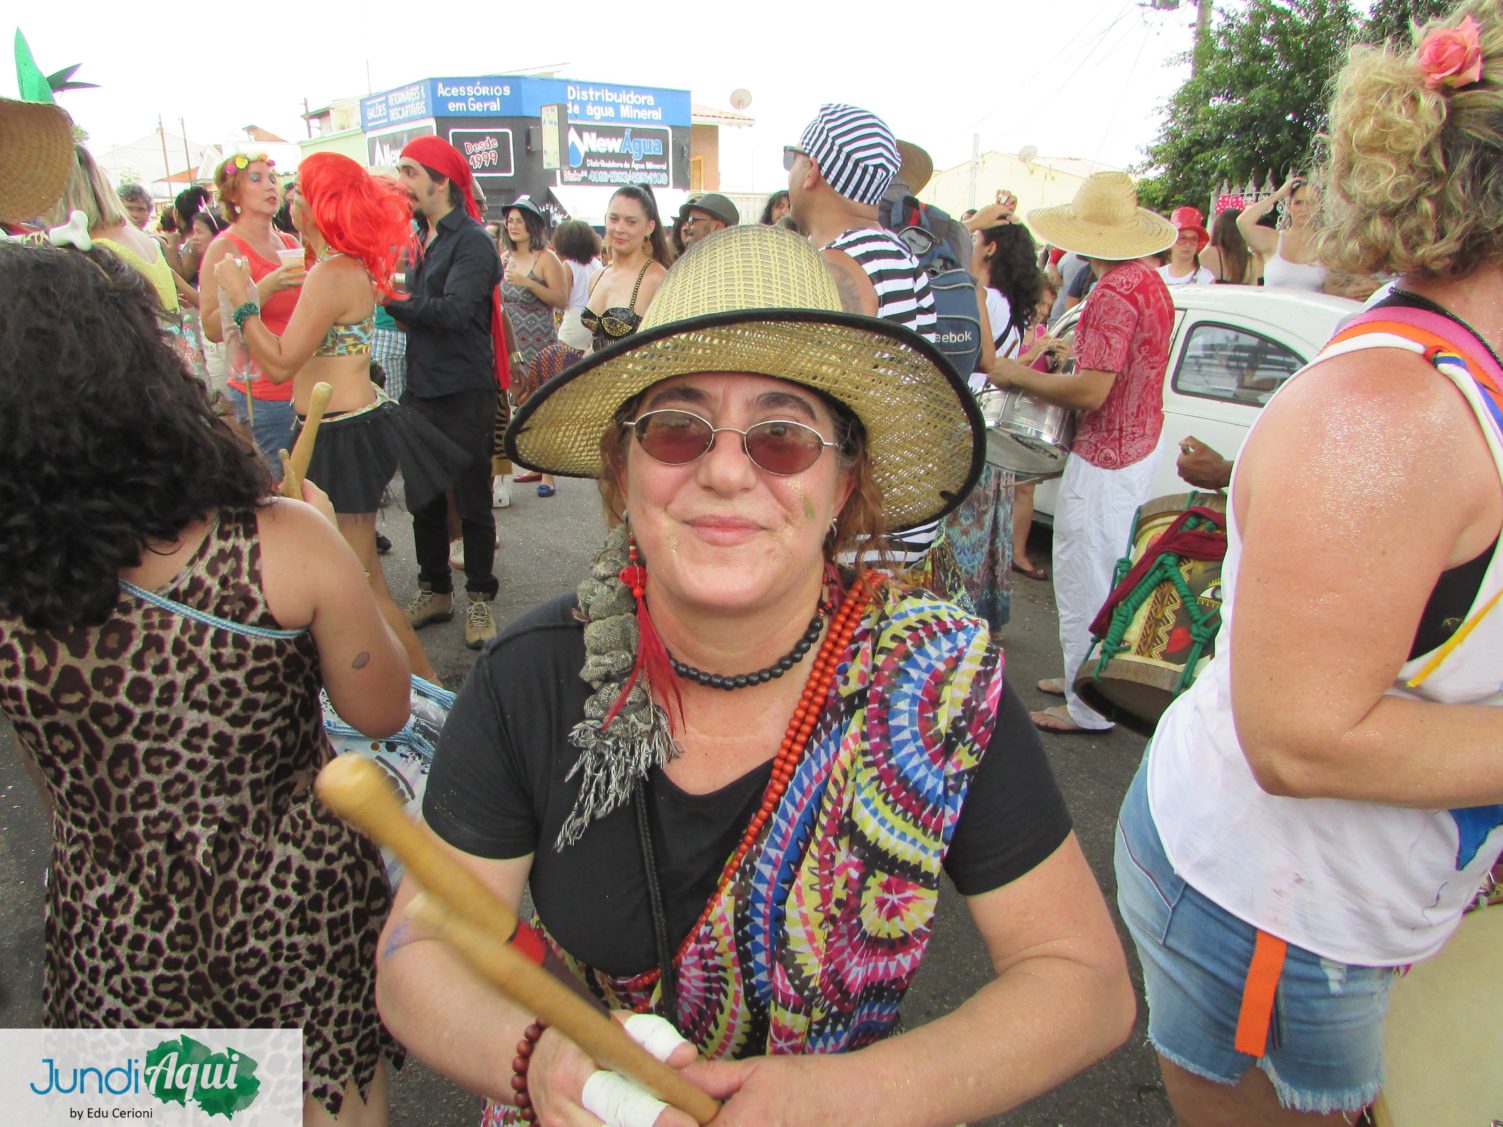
(1025, 435)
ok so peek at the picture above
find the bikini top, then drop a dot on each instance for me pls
(348, 338)
(618, 322)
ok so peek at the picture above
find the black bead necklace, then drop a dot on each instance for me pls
(761, 676)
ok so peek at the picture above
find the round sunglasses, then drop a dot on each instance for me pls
(778, 446)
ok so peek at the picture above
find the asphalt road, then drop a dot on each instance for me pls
(546, 548)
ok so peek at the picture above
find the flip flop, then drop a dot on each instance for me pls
(546, 491)
(1032, 572)
(1052, 686)
(1057, 720)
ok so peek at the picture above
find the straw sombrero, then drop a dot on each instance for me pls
(761, 300)
(37, 143)
(1104, 221)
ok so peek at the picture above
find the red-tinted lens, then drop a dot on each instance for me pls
(674, 437)
(783, 447)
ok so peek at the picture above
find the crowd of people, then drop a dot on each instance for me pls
(731, 767)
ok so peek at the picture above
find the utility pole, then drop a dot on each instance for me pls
(1202, 32)
(166, 168)
(1202, 24)
(975, 163)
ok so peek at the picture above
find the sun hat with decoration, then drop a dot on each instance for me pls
(37, 142)
(760, 300)
(1104, 221)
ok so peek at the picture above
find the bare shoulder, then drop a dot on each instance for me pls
(218, 248)
(1379, 432)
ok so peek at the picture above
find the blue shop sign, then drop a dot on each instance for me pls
(513, 96)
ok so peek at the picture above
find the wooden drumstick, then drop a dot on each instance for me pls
(295, 468)
(477, 924)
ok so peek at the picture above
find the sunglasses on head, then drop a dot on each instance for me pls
(778, 446)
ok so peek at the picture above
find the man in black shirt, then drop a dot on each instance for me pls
(450, 315)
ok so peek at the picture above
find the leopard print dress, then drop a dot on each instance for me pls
(195, 881)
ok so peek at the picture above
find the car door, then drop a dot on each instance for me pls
(1222, 369)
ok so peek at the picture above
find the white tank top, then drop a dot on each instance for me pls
(582, 276)
(1279, 271)
(1358, 882)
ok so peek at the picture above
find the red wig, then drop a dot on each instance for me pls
(357, 214)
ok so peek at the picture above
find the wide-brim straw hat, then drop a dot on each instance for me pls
(917, 168)
(37, 143)
(1104, 221)
(760, 300)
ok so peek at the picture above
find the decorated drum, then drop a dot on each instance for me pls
(1167, 610)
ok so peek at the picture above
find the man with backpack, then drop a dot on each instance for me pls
(837, 175)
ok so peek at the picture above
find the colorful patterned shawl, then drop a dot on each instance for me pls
(812, 945)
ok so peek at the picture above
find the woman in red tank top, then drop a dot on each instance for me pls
(249, 197)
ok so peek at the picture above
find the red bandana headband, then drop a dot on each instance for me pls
(437, 154)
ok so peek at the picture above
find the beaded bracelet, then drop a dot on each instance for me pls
(244, 313)
(519, 1065)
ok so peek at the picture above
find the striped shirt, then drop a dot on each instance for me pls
(902, 296)
(901, 284)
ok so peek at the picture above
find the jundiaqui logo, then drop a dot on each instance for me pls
(184, 1071)
(179, 1071)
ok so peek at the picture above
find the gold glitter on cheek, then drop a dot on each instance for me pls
(801, 491)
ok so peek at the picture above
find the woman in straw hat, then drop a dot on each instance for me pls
(1121, 349)
(744, 438)
(1322, 804)
(166, 626)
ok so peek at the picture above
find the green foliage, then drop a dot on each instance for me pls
(1256, 102)
(1388, 20)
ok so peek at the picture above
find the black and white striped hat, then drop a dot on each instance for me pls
(856, 152)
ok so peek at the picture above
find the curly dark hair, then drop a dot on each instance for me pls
(107, 442)
(1014, 273)
(575, 240)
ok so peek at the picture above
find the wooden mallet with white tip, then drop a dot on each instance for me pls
(459, 907)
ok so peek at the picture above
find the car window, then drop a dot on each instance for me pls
(1223, 362)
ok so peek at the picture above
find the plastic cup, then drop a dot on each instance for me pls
(292, 257)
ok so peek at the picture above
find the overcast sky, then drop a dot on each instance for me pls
(1082, 78)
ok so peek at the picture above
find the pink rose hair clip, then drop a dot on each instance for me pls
(1452, 56)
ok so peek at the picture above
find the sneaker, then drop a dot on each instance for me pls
(479, 627)
(501, 492)
(383, 545)
(429, 606)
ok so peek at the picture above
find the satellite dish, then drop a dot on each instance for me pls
(740, 98)
(1027, 153)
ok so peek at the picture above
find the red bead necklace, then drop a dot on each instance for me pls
(795, 739)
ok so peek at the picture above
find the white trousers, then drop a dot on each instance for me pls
(1092, 521)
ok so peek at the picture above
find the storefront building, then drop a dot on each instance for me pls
(606, 135)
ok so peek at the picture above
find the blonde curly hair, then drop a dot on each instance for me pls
(1411, 180)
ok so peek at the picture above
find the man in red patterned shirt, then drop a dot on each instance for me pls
(1121, 350)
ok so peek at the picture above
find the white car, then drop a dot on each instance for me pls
(1231, 349)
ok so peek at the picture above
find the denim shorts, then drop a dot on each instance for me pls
(273, 427)
(1325, 1036)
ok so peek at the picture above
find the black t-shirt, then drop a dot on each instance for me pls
(498, 789)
